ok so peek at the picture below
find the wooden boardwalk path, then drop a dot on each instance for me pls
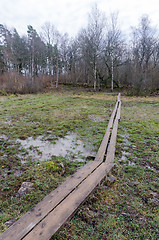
(48, 216)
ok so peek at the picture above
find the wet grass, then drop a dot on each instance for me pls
(126, 208)
(129, 207)
(51, 116)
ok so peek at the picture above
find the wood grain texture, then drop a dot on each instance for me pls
(26, 223)
(105, 141)
(111, 148)
(46, 228)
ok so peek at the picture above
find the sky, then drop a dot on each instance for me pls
(71, 15)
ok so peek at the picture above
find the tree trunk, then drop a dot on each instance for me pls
(112, 81)
(57, 75)
(95, 78)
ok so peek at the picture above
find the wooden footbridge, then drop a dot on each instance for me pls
(49, 215)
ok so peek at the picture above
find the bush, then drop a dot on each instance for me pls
(12, 82)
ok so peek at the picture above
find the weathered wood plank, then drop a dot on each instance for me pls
(111, 148)
(46, 228)
(104, 144)
(118, 97)
(26, 223)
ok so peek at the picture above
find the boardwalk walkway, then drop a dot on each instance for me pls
(48, 216)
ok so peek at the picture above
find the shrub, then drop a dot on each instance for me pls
(12, 82)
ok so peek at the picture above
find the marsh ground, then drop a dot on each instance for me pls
(126, 208)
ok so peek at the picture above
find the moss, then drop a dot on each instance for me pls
(52, 166)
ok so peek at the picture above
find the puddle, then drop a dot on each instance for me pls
(97, 118)
(131, 163)
(126, 144)
(124, 155)
(126, 141)
(3, 137)
(69, 146)
(9, 122)
(18, 173)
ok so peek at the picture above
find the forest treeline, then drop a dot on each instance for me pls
(99, 56)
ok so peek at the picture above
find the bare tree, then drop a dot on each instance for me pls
(37, 52)
(144, 51)
(64, 51)
(97, 55)
(113, 47)
(6, 46)
(51, 37)
(91, 39)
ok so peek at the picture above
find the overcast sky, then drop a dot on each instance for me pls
(70, 15)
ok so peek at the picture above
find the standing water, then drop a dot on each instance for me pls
(69, 147)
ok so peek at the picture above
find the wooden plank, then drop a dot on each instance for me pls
(111, 148)
(118, 97)
(119, 111)
(46, 228)
(26, 223)
(104, 144)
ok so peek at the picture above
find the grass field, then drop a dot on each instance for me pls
(125, 208)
